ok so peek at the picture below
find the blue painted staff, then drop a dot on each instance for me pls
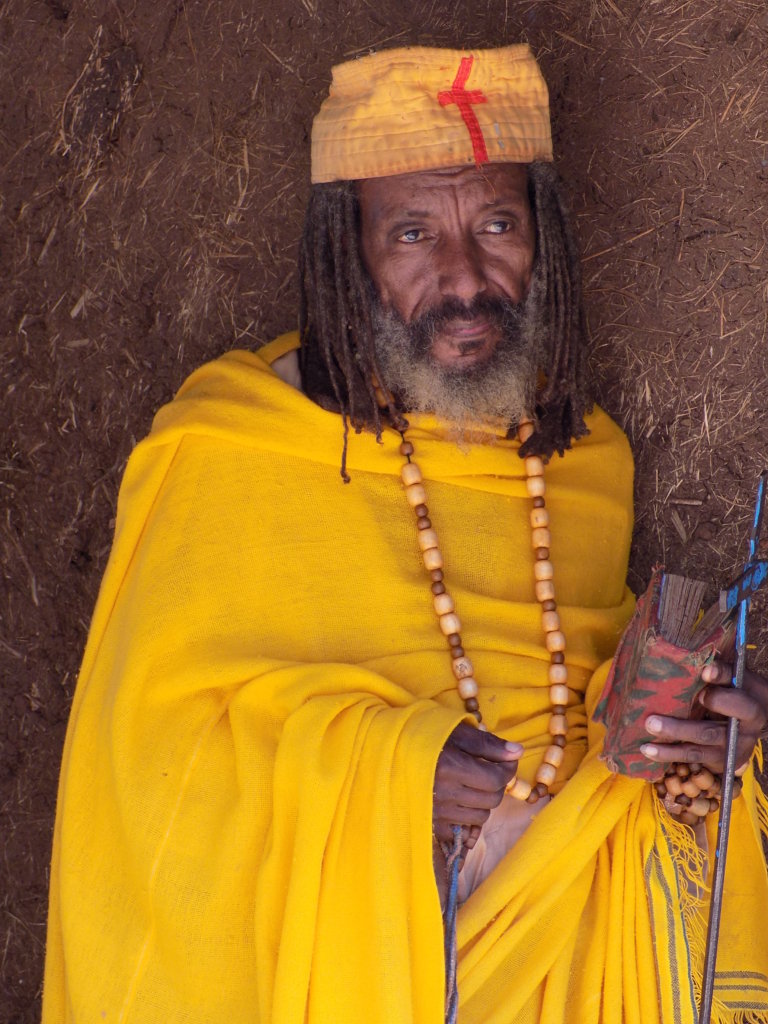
(738, 594)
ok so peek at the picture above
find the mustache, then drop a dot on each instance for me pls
(502, 313)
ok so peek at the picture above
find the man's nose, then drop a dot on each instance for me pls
(461, 273)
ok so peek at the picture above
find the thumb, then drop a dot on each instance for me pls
(482, 744)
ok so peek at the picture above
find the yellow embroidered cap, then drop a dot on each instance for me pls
(418, 108)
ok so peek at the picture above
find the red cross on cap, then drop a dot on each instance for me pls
(464, 99)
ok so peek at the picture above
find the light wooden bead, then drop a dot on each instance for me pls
(550, 621)
(534, 466)
(704, 779)
(543, 570)
(555, 641)
(691, 789)
(411, 474)
(539, 517)
(519, 788)
(557, 674)
(443, 604)
(467, 688)
(546, 774)
(449, 623)
(558, 694)
(544, 589)
(541, 537)
(524, 430)
(558, 725)
(554, 756)
(432, 559)
(462, 667)
(415, 495)
(535, 486)
(427, 539)
(700, 806)
(673, 785)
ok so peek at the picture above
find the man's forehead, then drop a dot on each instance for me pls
(490, 185)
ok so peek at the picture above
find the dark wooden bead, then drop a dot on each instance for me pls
(539, 502)
(559, 741)
(471, 704)
(436, 575)
(661, 789)
(438, 588)
(454, 640)
(533, 796)
(559, 709)
(542, 554)
(549, 606)
(406, 448)
(421, 510)
(457, 652)
(541, 789)
(683, 800)
(478, 715)
(557, 658)
(424, 523)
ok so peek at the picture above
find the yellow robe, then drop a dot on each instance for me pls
(243, 832)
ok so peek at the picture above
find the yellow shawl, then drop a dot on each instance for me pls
(243, 832)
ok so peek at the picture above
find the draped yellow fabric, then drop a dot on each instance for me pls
(243, 832)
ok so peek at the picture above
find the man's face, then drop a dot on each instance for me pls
(443, 242)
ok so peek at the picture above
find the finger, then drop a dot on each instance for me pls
(734, 704)
(702, 732)
(484, 744)
(458, 814)
(459, 772)
(685, 753)
(450, 816)
(485, 798)
(717, 673)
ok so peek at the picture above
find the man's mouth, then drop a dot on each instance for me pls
(465, 343)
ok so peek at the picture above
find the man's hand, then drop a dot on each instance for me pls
(704, 740)
(472, 772)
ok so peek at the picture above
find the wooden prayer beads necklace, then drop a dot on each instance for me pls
(544, 587)
(689, 792)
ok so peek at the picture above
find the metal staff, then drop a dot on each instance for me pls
(724, 818)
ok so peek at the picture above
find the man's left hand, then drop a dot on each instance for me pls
(704, 740)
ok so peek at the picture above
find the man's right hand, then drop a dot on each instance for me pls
(473, 770)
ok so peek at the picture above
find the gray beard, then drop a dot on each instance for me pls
(502, 388)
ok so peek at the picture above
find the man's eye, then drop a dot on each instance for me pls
(411, 235)
(498, 227)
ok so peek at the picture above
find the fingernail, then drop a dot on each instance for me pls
(514, 748)
(709, 673)
(649, 749)
(653, 723)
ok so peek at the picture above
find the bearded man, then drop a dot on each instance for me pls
(274, 760)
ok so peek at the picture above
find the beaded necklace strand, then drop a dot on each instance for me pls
(544, 587)
(688, 792)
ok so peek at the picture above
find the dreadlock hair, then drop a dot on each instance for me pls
(338, 355)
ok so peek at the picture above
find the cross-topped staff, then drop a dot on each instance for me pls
(752, 571)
